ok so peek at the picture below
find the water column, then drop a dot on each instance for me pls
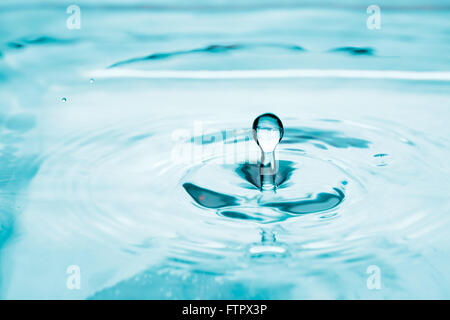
(268, 131)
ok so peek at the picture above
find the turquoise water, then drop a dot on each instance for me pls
(126, 150)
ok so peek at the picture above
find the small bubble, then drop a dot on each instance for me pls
(63, 99)
(91, 80)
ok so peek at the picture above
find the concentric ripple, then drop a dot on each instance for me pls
(333, 177)
(102, 165)
(340, 184)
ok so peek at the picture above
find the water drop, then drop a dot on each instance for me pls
(268, 131)
(91, 80)
(63, 99)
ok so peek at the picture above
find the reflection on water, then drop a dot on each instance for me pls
(251, 173)
(215, 48)
(87, 170)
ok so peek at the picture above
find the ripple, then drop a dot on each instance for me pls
(214, 48)
(322, 202)
(355, 51)
(108, 187)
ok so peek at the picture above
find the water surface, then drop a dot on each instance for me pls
(88, 175)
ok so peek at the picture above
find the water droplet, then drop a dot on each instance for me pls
(91, 80)
(63, 99)
(268, 131)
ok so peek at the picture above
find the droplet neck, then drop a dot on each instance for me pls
(268, 171)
